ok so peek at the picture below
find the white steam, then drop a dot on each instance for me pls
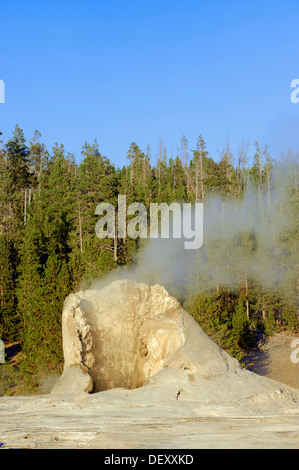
(244, 238)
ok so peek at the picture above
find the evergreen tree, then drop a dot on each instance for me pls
(37, 156)
(96, 182)
(227, 174)
(17, 159)
(241, 326)
(9, 319)
(58, 202)
(57, 285)
(243, 277)
(30, 298)
(16, 182)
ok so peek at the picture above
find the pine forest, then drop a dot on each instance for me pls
(242, 284)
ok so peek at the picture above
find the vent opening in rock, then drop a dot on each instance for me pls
(118, 336)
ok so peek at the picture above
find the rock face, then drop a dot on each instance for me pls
(136, 343)
(161, 383)
(125, 333)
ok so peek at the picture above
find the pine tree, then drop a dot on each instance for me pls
(18, 179)
(30, 291)
(179, 181)
(57, 285)
(241, 326)
(257, 175)
(95, 183)
(200, 154)
(9, 319)
(17, 158)
(227, 174)
(37, 156)
(59, 202)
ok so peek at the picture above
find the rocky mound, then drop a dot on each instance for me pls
(140, 373)
(137, 337)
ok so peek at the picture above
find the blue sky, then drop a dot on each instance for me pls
(123, 71)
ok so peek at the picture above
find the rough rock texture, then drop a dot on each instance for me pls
(125, 333)
(190, 394)
(137, 337)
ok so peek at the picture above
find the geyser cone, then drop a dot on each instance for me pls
(138, 339)
(125, 333)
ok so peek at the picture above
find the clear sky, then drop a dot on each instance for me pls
(123, 71)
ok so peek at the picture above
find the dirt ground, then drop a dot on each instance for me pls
(273, 359)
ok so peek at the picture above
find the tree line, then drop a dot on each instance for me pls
(48, 245)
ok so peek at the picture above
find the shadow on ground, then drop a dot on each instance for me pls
(257, 361)
(11, 350)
